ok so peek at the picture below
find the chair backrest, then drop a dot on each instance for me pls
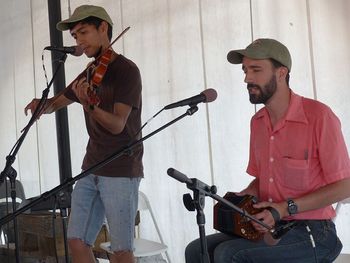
(143, 202)
(6, 231)
(338, 207)
(144, 247)
(5, 191)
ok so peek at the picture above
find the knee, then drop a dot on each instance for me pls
(192, 252)
(122, 256)
(77, 245)
(226, 253)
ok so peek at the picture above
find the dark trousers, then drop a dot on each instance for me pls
(294, 247)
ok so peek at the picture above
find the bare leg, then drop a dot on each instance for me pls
(123, 257)
(81, 253)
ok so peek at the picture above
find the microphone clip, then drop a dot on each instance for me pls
(282, 228)
(193, 109)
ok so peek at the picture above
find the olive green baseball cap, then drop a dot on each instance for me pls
(263, 48)
(83, 12)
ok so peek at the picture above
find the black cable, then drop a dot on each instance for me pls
(134, 138)
(148, 121)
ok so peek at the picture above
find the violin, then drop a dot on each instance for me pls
(95, 74)
(98, 72)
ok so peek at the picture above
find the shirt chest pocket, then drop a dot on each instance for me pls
(295, 174)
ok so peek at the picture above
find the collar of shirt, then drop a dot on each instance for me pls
(295, 111)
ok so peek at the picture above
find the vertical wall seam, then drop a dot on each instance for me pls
(211, 164)
(69, 9)
(15, 105)
(34, 82)
(169, 50)
(252, 33)
(122, 24)
(251, 21)
(311, 50)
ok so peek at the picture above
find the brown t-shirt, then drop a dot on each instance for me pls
(121, 83)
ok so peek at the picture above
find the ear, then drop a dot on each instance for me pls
(282, 73)
(103, 27)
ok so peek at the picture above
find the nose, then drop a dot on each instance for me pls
(247, 78)
(78, 40)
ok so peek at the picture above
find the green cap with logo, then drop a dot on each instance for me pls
(83, 12)
(263, 48)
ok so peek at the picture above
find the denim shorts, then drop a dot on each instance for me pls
(97, 198)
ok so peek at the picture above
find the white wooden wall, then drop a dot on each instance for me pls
(180, 47)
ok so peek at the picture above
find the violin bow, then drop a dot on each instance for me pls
(111, 44)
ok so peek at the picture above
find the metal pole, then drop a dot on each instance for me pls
(63, 144)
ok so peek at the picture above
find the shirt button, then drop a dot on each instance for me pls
(271, 159)
(271, 180)
(270, 200)
(272, 138)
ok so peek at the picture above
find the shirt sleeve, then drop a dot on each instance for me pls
(332, 150)
(69, 94)
(130, 93)
(252, 164)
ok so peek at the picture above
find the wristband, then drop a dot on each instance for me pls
(275, 214)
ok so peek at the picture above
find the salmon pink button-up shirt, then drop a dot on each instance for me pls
(301, 153)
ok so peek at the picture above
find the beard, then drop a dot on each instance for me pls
(263, 94)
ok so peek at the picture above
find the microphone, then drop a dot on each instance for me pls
(179, 176)
(73, 50)
(192, 183)
(205, 96)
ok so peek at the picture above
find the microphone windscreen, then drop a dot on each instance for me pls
(210, 95)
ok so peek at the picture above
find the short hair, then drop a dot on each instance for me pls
(91, 20)
(276, 65)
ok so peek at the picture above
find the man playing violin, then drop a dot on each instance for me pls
(299, 162)
(113, 119)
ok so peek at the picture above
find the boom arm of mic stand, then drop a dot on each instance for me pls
(195, 184)
(239, 210)
(113, 156)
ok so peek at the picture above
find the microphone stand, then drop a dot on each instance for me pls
(9, 171)
(71, 181)
(200, 191)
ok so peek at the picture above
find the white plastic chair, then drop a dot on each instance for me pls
(144, 247)
(338, 207)
(6, 231)
(342, 258)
